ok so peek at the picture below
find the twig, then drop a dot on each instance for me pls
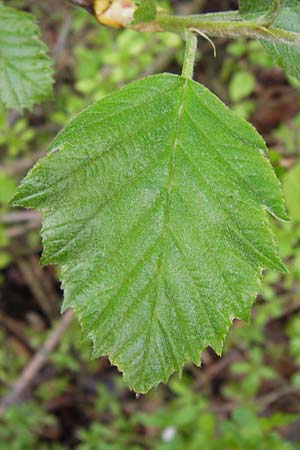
(32, 274)
(46, 284)
(290, 308)
(37, 362)
(262, 403)
(20, 166)
(86, 4)
(20, 230)
(215, 369)
(14, 328)
(62, 37)
(20, 216)
(276, 395)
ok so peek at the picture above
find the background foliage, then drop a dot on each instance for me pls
(247, 399)
(25, 69)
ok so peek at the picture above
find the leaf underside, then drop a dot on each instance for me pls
(287, 55)
(25, 69)
(154, 203)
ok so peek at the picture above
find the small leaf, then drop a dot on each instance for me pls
(146, 11)
(25, 69)
(287, 55)
(154, 202)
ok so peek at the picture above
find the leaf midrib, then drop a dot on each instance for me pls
(166, 221)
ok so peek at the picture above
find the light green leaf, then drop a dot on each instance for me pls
(146, 11)
(7, 188)
(254, 8)
(25, 69)
(287, 55)
(154, 202)
(241, 85)
(291, 184)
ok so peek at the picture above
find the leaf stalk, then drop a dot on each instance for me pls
(190, 55)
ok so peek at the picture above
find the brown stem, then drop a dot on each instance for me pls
(86, 4)
(37, 362)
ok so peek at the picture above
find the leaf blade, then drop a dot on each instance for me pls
(166, 242)
(287, 55)
(25, 69)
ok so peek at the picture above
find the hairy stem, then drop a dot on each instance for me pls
(190, 55)
(223, 24)
(218, 27)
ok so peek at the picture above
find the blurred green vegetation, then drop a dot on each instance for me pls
(242, 406)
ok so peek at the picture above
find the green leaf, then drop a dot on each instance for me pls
(241, 85)
(291, 184)
(287, 55)
(254, 8)
(7, 188)
(146, 11)
(154, 202)
(25, 69)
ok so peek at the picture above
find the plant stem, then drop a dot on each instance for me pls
(269, 18)
(228, 24)
(218, 27)
(190, 55)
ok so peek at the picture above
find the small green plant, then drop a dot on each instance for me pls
(25, 69)
(21, 426)
(7, 188)
(155, 199)
(185, 423)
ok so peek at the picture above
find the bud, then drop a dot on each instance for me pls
(114, 13)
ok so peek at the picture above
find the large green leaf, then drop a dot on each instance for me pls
(25, 69)
(287, 55)
(154, 203)
(145, 11)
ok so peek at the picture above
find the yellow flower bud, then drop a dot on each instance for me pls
(114, 13)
